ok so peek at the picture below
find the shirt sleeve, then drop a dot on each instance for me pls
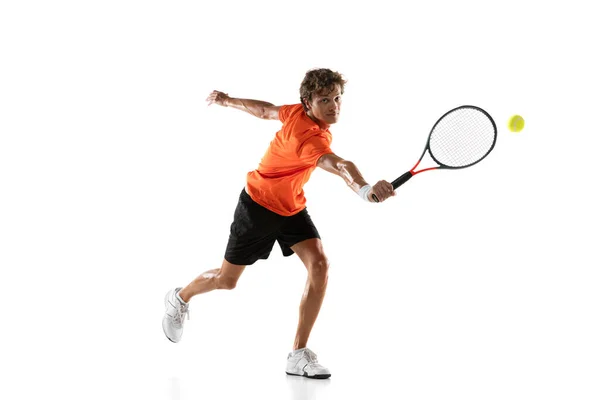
(286, 111)
(313, 148)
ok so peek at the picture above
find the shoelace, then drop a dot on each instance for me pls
(182, 311)
(312, 357)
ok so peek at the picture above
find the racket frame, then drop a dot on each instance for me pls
(409, 174)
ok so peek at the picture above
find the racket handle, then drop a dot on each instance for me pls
(397, 183)
(402, 180)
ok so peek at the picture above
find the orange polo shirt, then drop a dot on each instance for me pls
(277, 183)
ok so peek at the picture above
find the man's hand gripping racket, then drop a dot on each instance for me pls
(460, 138)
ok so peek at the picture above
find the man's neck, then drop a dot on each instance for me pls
(317, 121)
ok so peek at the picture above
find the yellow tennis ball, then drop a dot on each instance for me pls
(516, 123)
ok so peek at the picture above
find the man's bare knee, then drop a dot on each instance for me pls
(319, 272)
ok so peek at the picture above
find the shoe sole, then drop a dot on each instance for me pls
(305, 375)
(164, 331)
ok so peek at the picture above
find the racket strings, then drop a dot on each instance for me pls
(462, 137)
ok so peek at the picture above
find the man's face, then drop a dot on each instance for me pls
(325, 105)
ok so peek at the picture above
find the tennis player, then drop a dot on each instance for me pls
(271, 207)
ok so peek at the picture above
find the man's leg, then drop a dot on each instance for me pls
(176, 300)
(303, 361)
(311, 253)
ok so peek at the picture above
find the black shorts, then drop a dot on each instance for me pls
(255, 229)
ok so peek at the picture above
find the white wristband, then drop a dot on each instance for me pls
(364, 191)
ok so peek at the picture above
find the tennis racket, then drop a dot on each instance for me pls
(460, 138)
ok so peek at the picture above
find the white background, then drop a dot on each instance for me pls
(117, 183)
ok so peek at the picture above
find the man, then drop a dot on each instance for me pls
(272, 207)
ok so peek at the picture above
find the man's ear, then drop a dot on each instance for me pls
(306, 103)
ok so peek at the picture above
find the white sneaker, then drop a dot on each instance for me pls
(303, 362)
(175, 312)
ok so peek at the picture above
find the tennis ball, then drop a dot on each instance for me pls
(516, 123)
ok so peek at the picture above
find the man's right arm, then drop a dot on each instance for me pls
(348, 171)
(260, 109)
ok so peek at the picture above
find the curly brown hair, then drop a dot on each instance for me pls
(318, 79)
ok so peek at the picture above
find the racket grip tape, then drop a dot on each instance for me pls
(402, 180)
(397, 183)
